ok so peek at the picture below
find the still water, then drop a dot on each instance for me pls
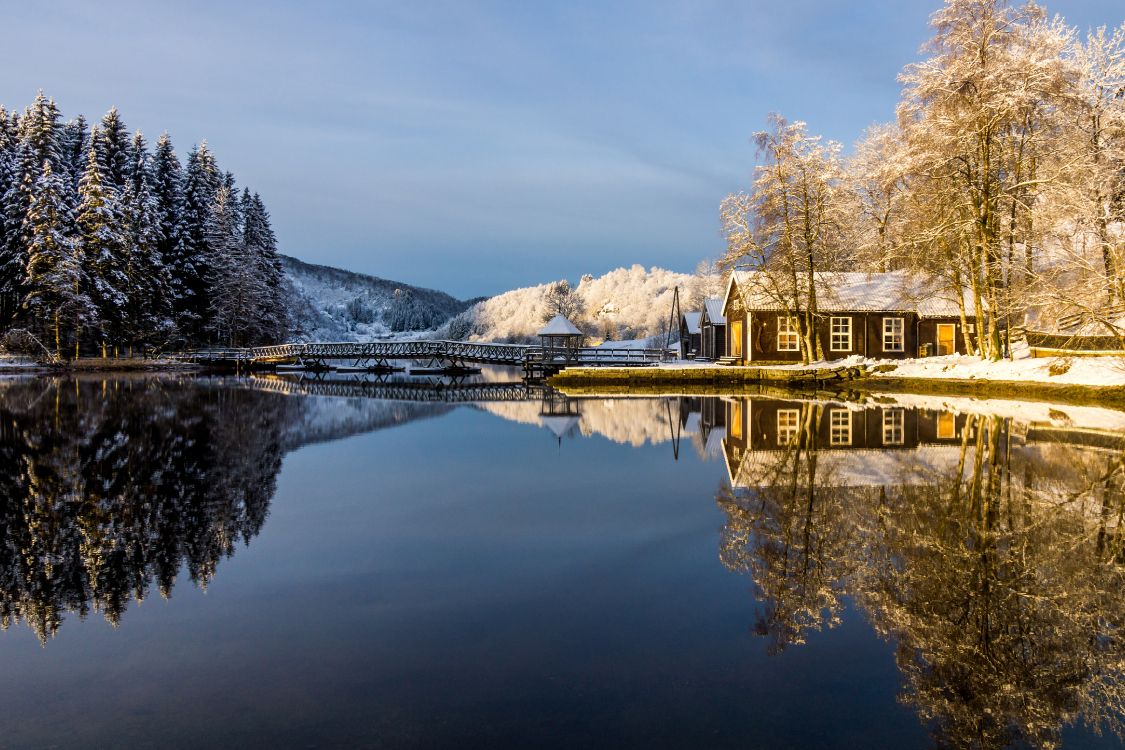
(259, 563)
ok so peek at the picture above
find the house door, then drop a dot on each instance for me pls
(946, 338)
(736, 339)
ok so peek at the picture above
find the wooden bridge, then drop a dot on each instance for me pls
(441, 355)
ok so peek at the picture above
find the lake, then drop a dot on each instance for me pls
(269, 562)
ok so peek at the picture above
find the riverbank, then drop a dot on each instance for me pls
(28, 366)
(1099, 381)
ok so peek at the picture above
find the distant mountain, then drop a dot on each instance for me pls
(330, 304)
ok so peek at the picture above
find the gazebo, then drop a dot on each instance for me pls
(560, 333)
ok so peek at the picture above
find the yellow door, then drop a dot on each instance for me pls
(736, 338)
(946, 343)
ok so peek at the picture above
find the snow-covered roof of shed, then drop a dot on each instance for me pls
(846, 291)
(692, 319)
(559, 326)
(714, 310)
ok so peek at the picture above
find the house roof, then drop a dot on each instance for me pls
(691, 320)
(559, 326)
(713, 308)
(845, 291)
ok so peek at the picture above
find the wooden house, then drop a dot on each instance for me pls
(713, 329)
(689, 334)
(894, 315)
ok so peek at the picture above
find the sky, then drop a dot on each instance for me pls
(475, 147)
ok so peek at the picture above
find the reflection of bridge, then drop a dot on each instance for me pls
(384, 390)
(448, 355)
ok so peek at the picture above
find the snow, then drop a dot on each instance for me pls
(1096, 371)
(559, 326)
(894, 291)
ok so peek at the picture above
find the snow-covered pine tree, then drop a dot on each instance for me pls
(191, 260)
(237, 288)
(111, 140)
(149, 312)
(103, 239)
(14, 204)
(74, 145)
(40, 129)
(261, 245)
(57, 295)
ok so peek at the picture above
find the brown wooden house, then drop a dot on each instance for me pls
(894, 315)
(689, 334)
(713, 329)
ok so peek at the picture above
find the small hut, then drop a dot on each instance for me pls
(689, 334)
(560, 333)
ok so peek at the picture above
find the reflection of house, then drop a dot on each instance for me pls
(869, 446)
(713, 329)
(689, 334)
(882, 315)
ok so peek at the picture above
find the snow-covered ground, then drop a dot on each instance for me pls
(1098, 371)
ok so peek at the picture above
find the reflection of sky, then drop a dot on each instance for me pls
(462, 576)
(479, 146)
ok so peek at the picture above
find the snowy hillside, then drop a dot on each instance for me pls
(330, 304)
(627, 303)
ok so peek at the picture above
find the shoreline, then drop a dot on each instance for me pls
(837, 381)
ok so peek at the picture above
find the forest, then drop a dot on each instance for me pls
(108, 245)
(1003, 174)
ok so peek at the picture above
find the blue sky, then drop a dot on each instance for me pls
(477, 146)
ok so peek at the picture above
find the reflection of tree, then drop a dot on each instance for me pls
(1000, 578)
(793, 537)
(107, 488)
(1005, 604)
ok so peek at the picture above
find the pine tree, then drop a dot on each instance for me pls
(111, 141)
(40, 130)
(193, 257)
(57, 295)
(14, 204)
(272, 320)
(104, 244)
(237, 286)
(167, 185)
(149, 312)
(75, 143)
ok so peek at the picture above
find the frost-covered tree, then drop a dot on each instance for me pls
(261, 247)
(561, 299)
(149, 311)
(792, 224)
(236, 286)
(57, 295)
(104, 241)
(111, 140)
(192, 258)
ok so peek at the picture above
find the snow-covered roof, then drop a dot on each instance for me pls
(845, 291)
(559, 326)
(691, 320)
(714, 309)
(559, 424)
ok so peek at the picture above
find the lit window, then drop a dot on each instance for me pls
(787, 426)
(894, 421)
(788, 340)
(946, 426)
(736, 420)
(893, 334)
(840, 427)
(841, 339)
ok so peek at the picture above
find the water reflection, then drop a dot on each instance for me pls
(109, 488)
(989, 551)
(983, 541)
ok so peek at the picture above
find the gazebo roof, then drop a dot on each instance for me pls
(559, 326)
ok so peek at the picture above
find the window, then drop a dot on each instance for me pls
(894, 421)
(788, 426)
(840, 427)
(946, 426)
(894, 334)
(788, 340)
(841, 339)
